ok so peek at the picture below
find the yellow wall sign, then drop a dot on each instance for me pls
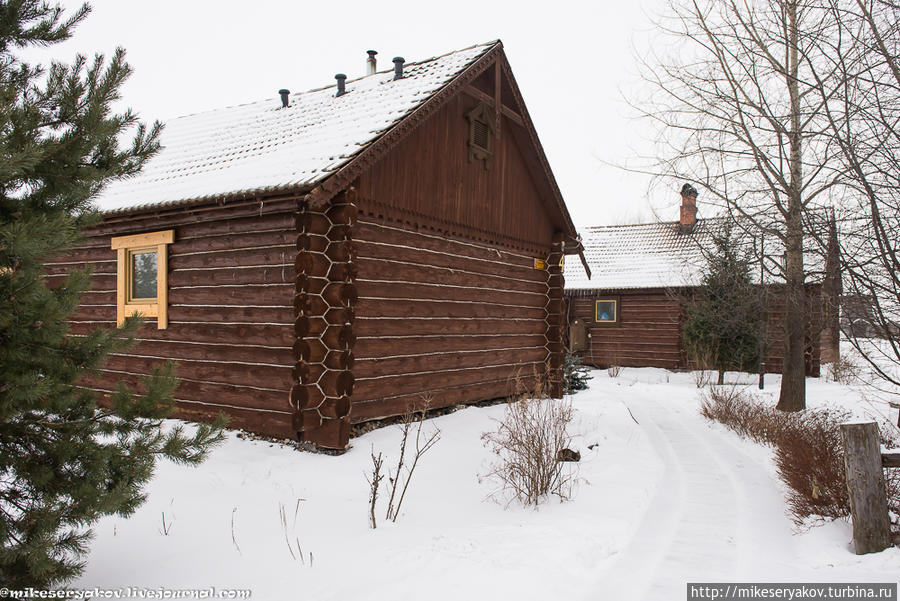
(540, 264)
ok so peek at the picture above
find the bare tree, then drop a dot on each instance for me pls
(741, 114)
(865, 126)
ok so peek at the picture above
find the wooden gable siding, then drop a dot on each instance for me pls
(231, 318)
(429, 175)
(441, 318)
(648, 333)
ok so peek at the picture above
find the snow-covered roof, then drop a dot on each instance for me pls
(262, 147)
(664, 255)
(647, 255)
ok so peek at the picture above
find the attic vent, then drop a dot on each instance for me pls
(481, 134)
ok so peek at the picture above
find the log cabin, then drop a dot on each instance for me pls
(630, 312)
(324, 258)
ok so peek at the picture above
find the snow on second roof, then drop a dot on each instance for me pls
(664, 255)
(649, 255)
(261, 146)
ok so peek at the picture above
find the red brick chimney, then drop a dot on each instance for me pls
(688, 206)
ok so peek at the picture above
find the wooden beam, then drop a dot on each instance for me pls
(497, 101)
(890, 460)
(488, 100)
(865, 487)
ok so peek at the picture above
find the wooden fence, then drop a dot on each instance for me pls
(864, 465)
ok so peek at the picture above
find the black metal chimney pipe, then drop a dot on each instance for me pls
(284, 98)
(398, 67)
(340, 77)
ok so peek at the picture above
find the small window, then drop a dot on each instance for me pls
(607, 311)
(141, 282)
(481, 134)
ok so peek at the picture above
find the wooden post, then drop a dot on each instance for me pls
(865, 485)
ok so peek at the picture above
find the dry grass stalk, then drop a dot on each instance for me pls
(527, 442)
(423, 443)
(233, 537)
(287, 532)
(374, 484)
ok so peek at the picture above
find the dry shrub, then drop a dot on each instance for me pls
(809, 453)
(527, 441)
(844, 370)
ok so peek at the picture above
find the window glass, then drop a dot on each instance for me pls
(606, 311)
(143, 274)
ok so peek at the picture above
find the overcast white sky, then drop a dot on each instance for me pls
(571, 60)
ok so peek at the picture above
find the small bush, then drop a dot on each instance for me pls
(527, 443)
(809, 453)
(575, 375)
(844, 370)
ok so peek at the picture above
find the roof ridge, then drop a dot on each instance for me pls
(273, 99)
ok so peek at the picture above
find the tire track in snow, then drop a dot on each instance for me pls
(696, 528)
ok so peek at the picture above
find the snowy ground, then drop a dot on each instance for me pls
(667, 500)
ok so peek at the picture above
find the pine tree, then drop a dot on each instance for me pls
(722, 322)
(64, 460)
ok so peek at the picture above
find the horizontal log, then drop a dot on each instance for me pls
(337, 383)
(267, 423)
(239, 351)
(371, 388)
(233, 242)
(332, 434)
(273, 255)
(404, 290)
(308, 419)
(230, 314)
(309, 222)
(312, 263)
(338, 294)
(370, 347)
(375, 367)
(224, 372)
(378, 326)
(211, 226)
(370, 231)
(335, 407)
(342, 214)
(79, 256)
(379, 408)
(491, 267)
(312, 242)
(213, 394)
(232, 276)
(426, 308)
(269, 295)
(212, 333)
(890, 459)
(391, 269)
(341, 252)
(161, 218)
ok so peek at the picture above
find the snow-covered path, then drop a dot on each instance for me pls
(666, 501)
(710, 491)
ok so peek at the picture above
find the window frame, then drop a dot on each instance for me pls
(126, 247)
(615, 301)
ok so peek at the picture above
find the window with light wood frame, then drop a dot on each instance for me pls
(141, 276)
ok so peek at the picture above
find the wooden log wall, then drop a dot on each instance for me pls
(648, 333)
(325, 299)
(443, 319)
(231, 321)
